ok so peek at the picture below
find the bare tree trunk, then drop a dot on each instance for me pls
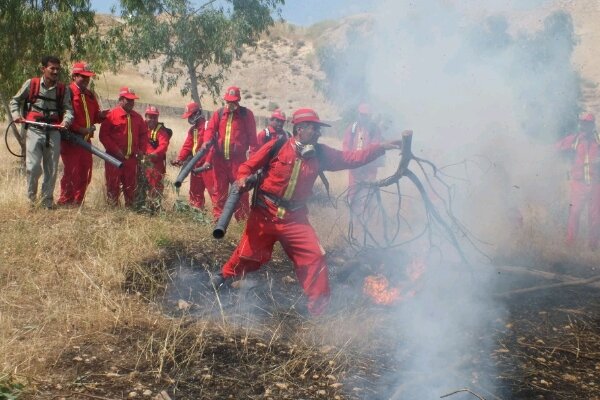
(194, 83)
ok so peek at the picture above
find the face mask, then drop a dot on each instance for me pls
(306, 150)
(195, 118)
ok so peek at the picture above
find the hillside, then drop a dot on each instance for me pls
(282, 69)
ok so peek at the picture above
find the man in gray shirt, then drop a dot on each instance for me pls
(43, 99)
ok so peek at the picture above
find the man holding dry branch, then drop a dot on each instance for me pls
(279, 213)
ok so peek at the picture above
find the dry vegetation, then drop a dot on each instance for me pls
(88, 311)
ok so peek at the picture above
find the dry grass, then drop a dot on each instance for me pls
(76, 282)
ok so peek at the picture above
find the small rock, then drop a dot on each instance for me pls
(206, 376)
(282, 386)
(331, 378)
(570, 378)
(321, 392)
(131, 395)
(147, 393)
(541, 359)
(183, 305)
(162, 396)
(77, 358)
(336, 385)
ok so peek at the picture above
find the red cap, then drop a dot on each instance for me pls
(190, 109)
(82, 68)
(232, 94)
(588, 117)
(128, 93)
(278, 114)
(306, 115)
(364, 108)
(152, 110)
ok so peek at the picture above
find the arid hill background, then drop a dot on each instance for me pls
(284, 66)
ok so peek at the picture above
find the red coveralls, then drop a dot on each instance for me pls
(203, 180)
(158, 143)
(291, 178)
(234, 134)
(77, 161)
(358, 137)
(124, 137)
(585, 185)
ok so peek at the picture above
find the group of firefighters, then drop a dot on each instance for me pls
(290, 164)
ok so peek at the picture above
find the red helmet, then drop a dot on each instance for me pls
(190, 109)
(587, 117)
(128, 93)
(82, 68)
(278, 114)
(306, 115)
(364, 108)
(232, 94)
(152, 110)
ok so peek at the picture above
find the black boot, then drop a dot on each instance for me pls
(218, 281)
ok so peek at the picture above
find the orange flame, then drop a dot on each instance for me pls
(378, 288)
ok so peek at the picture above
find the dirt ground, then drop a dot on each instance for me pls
(248, 342)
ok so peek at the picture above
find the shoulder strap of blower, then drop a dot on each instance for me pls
(34, 94)
(243, 111)
(275, 151)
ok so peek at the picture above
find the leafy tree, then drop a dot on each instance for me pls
(204, 39)
(30, 29)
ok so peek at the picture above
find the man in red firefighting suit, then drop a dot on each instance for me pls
(274, 130)
(232, 130)
(156, 154)
(193, 141)
(77, 161)
(359, 135)
(280, 213)
(124, 136)
(585, 178)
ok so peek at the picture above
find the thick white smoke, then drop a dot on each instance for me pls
(478, 93)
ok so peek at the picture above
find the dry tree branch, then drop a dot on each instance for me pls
(365, 216)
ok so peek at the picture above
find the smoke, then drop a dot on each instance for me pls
(490, 99)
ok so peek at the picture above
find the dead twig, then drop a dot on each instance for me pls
(579, 282)
(462, 390)
(542, 274)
